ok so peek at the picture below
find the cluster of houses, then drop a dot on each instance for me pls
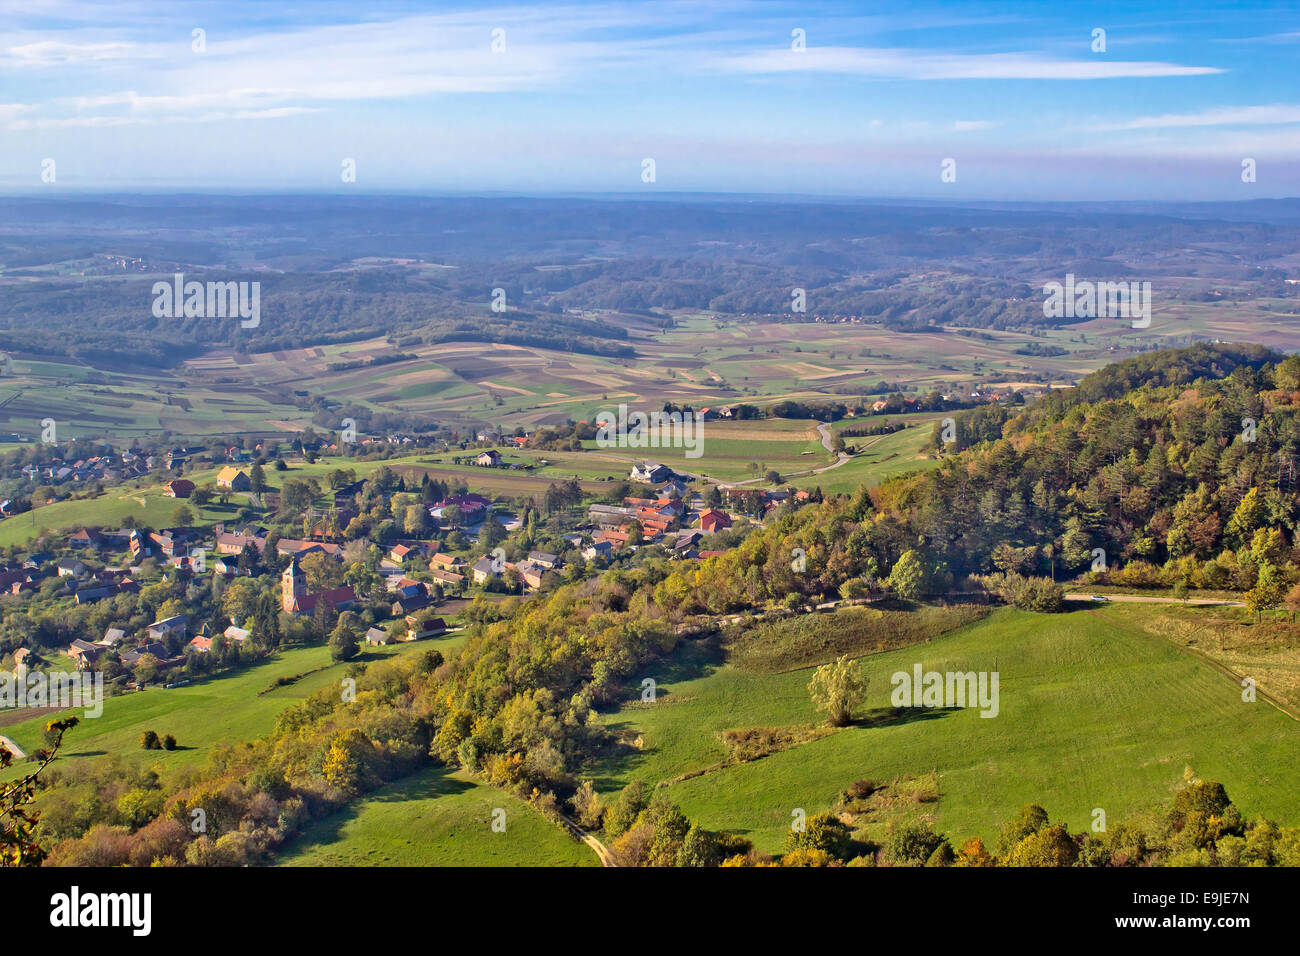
(530, 570)
(85, 586)
(106, 468)
(666, 520)
(492, 437)
(154, 642)
(112, 467)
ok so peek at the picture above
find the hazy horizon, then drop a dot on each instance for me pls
(1061, 101)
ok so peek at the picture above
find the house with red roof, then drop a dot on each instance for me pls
(179, 488)
(714, 520)
(295, 599)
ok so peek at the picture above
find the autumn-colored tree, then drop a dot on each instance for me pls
(1050, 846)
(908, 577)
(836, 689)
(346, 767)
(1292, 601)
(18, 821)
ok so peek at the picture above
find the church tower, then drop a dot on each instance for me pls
(292, 586)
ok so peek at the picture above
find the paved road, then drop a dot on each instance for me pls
(1138, 599)
(13, 748)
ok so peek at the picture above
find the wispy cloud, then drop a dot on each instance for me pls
(910, 64)
(1277, 114)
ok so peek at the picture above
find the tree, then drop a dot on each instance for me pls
(861, 506)
(257, 480)
(249, 558)
(631, 801)
(1249, 517)
(587, 805)
(321, 572)
(822, 831)
(492, 533)
(240, 601)
(699, 848)
(18, 823)
(1030, 820)
(1292, 600)
(415, 519)
(908, 576)
(1050, 846)
(836, 689)
(346, 764)
(183, 516)
(343, 642)
(1267, 592)
(913, 844)
(149, 740)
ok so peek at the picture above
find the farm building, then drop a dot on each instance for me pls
(233, 479)
(179, 488)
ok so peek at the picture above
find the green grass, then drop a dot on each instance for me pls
(897, 454)
(436, 818)
(1094, 713)
(226, 708)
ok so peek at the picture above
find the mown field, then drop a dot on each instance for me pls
(730, 450)
(436, 818)
(705, 361)
(85, 401)
(1095, 712)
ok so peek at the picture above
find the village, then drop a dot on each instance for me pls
(161, 606)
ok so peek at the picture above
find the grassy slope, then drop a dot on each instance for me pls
(436, 818)
(223, 709)
(1094, 713)
(890, 455)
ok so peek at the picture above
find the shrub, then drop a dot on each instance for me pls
(912, 844)
(823, 832)
(633, 799)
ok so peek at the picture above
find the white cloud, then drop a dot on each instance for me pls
(12, 111)
(904, 64)
(49, 53)
(1274, 115)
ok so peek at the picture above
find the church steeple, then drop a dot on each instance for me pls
(292, 585)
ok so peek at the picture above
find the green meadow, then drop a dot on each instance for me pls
(881, 458)
(226, 708)
(1094, 713)
(436, 818)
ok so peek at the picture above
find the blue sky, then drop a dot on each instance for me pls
(715, 93)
